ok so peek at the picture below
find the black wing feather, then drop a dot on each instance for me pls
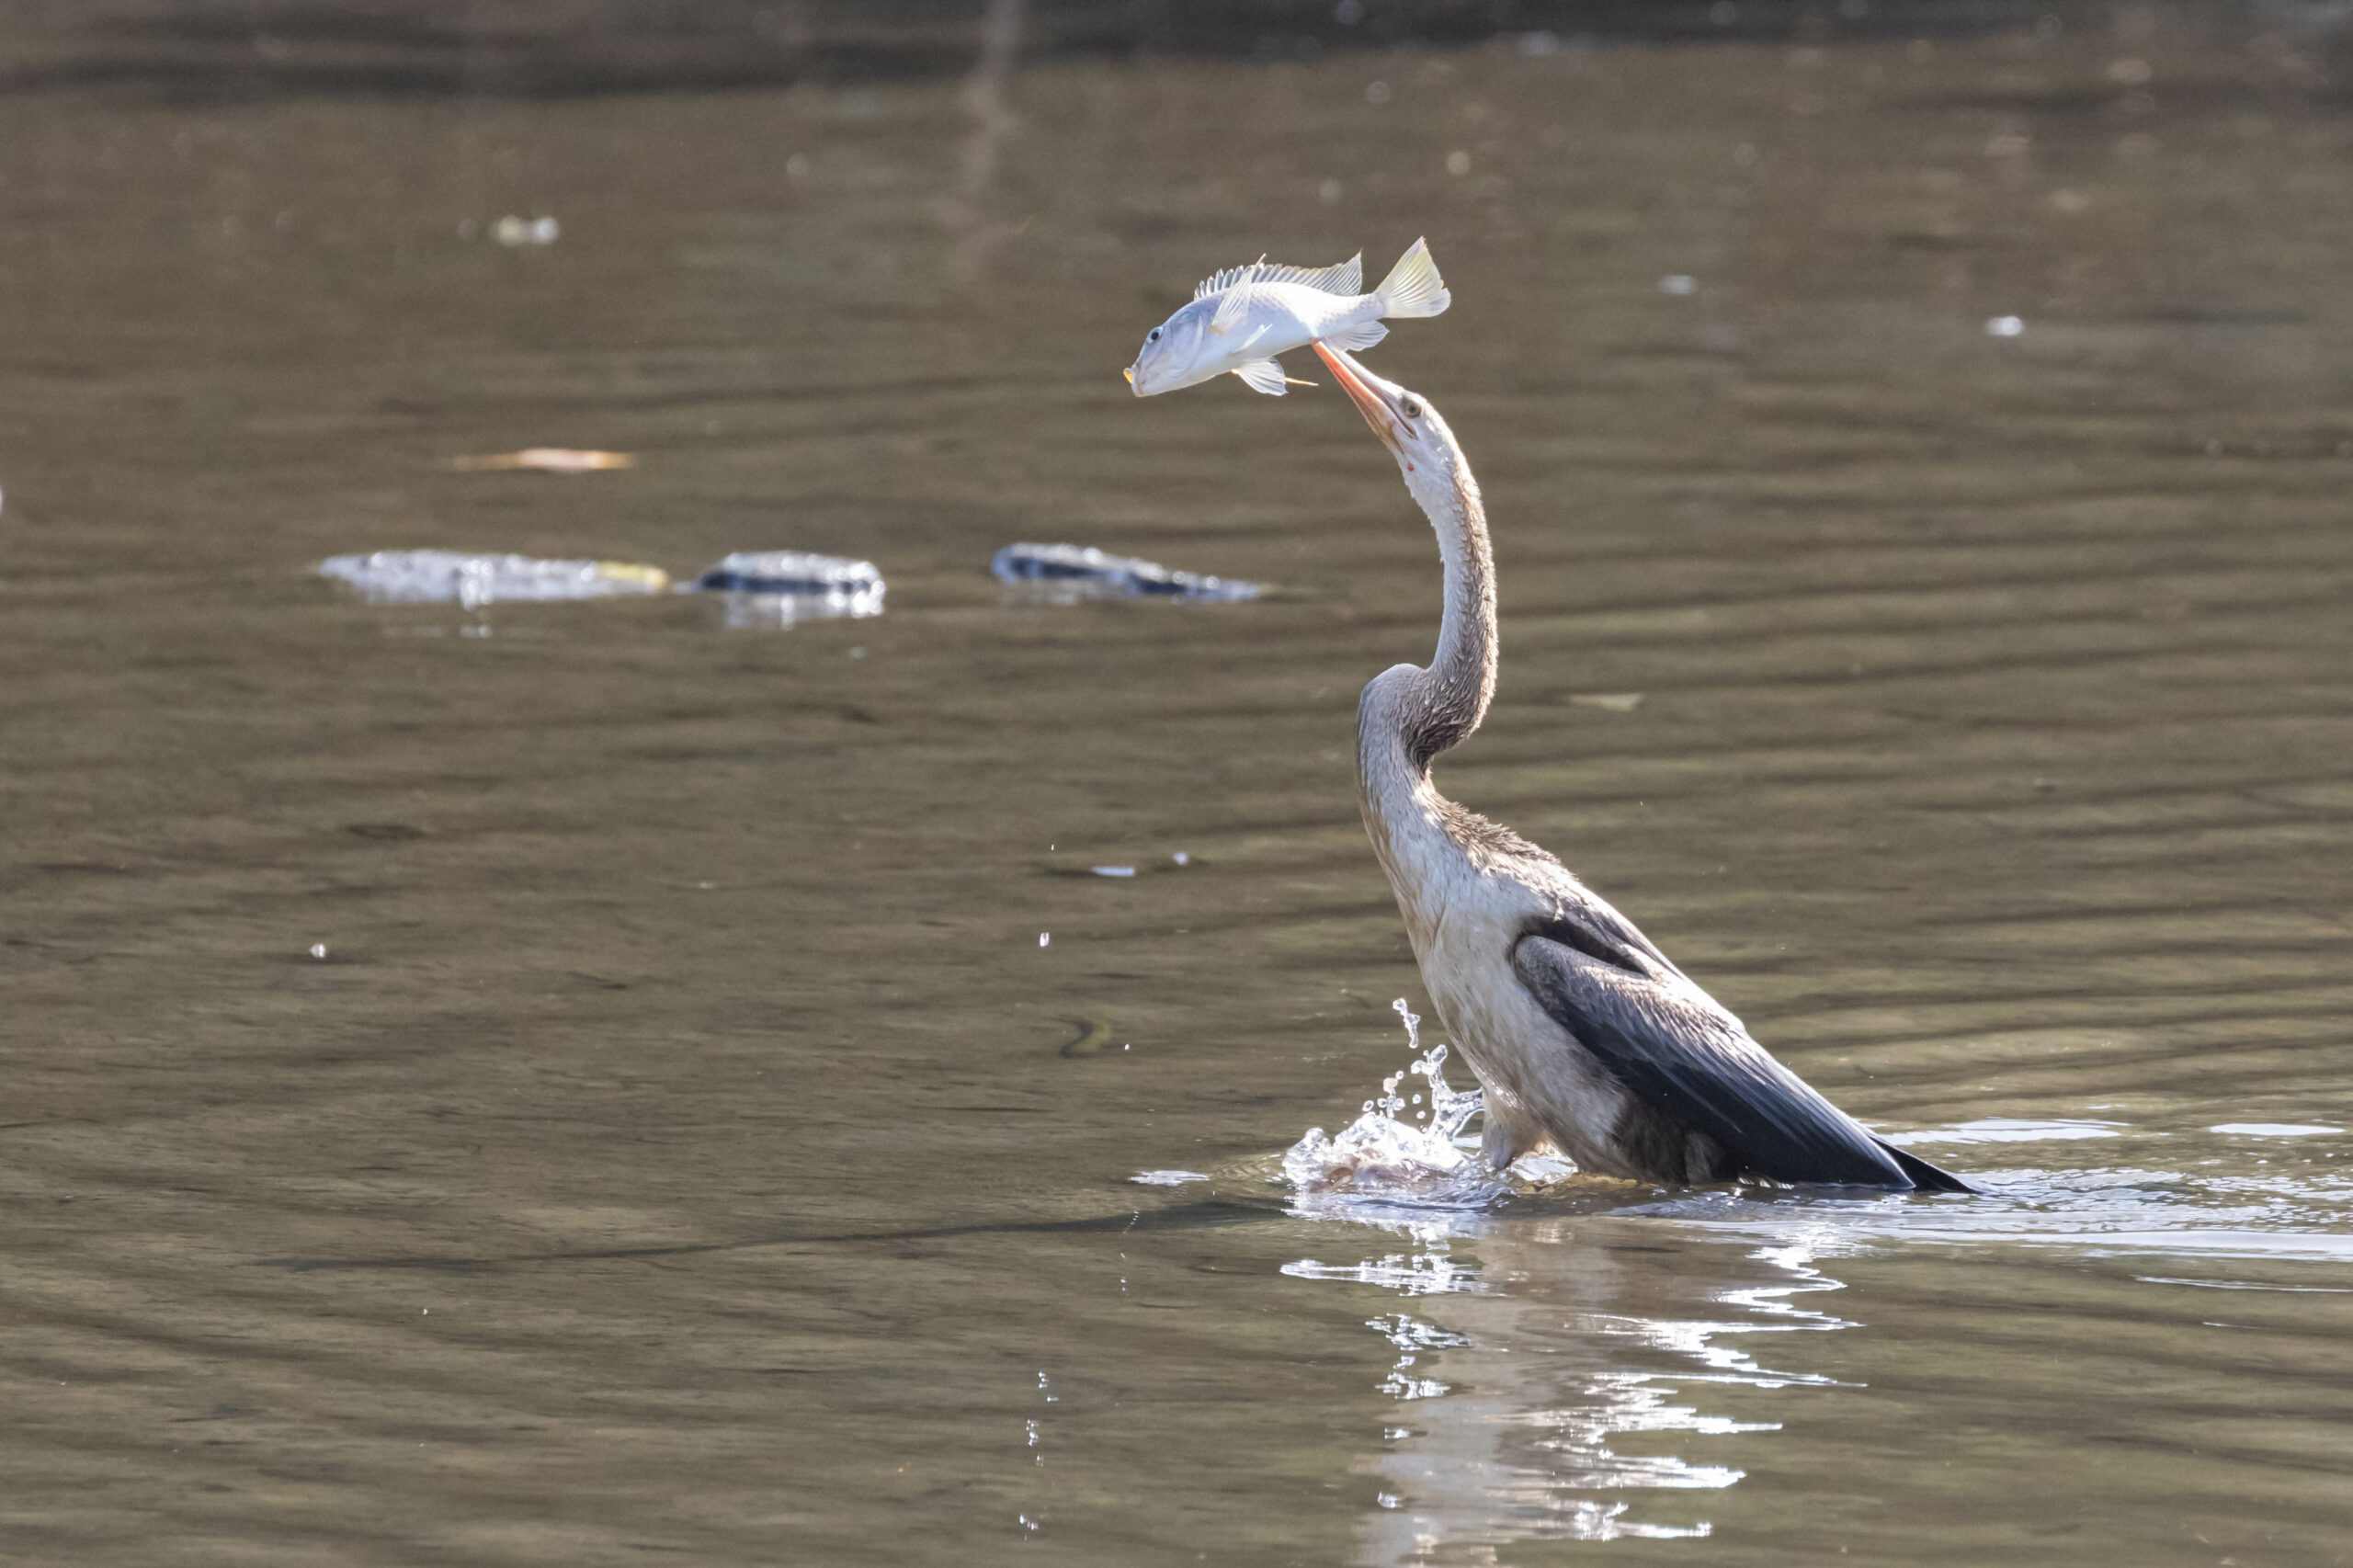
(1683, 1055)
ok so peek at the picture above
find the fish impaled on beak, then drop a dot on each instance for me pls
(1241, 321)
(1371, 401)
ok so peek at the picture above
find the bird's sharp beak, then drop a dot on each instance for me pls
(1370, 402)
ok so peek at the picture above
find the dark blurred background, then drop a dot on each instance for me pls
(237, 48)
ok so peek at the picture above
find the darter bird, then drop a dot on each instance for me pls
(1583, 1034)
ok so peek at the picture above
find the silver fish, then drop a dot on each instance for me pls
(1239, 318)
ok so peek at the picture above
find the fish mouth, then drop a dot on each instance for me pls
(1370, 401)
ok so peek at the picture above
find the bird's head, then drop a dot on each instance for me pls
(1410, 428)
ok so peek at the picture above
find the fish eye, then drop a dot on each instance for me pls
(1412, 409)
(1153, 336)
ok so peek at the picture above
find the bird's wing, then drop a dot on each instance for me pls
(1681, 1055)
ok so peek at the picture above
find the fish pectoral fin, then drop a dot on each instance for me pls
(1266, 376)
(1231, 310)
(1353, 338)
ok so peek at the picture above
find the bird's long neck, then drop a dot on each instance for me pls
(1409, 715)
(1451, 697)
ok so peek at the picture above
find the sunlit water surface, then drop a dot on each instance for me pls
(564, 1082)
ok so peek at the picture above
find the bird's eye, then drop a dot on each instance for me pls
(1412, 409)
(1153, 336)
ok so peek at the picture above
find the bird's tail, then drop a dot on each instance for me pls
(1925, 1178)
(1413, 286)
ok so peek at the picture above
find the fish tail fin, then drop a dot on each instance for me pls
(1413, 286)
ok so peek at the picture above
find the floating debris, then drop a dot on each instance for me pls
(774, 588)
(549, 460)
(1064, 574)
(1615, 701)
(789, 572)
(2005, 326)
(442, 576)
(1678, 283)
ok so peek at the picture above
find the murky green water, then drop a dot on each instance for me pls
(687, 1146)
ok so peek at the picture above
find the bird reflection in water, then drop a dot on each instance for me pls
(1520, 1377)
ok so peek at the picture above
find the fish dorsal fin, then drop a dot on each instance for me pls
(1345, 278)
(1342, 277)
(1219, 282)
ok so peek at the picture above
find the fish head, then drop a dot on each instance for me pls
(1167, 360)
(1409, 428)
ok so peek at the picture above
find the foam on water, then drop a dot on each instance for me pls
(1168, 1179)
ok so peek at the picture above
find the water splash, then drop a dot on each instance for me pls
(1383, 1153)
